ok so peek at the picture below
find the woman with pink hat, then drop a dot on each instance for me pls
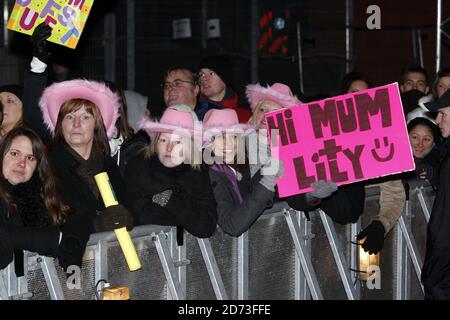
(241, 190)
(166, 183)
(344, 205)
(81, 115)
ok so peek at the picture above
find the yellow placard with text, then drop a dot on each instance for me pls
(66, 17)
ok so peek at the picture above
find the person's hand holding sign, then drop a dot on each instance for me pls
(322, 189)
(39, 42)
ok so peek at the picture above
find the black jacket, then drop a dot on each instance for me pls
(75, 190)
(190, 206)
(343, 206)
(234, 217)
(436, 267)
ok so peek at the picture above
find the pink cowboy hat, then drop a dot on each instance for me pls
(98, 93)
(179, 118)
(217, 121)
(278, 92)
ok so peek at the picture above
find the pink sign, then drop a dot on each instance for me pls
(347, 138)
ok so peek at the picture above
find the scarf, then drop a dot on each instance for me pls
(228, 172)
(87, 169)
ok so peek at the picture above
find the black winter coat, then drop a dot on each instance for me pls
(436, 267)
(191, 205)
(343, 206)
(74, 189)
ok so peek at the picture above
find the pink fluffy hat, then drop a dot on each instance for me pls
(98, 93)
(178, 119)
(278, 92)
(218, 121)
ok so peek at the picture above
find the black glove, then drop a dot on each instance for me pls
(75, 235)
(6, 251)
(39, 41)
(374, 234)
(113, 217)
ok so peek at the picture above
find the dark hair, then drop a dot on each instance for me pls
(123, 128)
(426, 122)
(100, 137)
(192, 73)
(413, 68)
(442, 73)
(53, 202)
(351, 77)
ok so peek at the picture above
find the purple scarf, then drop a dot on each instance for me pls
(225, 169)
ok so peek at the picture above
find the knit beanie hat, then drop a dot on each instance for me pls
(13, 88)
(220, 64)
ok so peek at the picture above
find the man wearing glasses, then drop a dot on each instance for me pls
(180, 86)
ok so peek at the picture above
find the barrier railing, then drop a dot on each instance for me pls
(282, 256)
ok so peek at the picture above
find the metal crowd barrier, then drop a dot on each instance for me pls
(282, 256)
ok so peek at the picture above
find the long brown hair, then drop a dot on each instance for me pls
(122, 126)
(49, 186)
(100, 138)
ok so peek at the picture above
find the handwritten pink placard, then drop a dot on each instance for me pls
(347, 138)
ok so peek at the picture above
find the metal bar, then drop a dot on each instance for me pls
(348, 35)
(51, 278)
(101, 263)
(354, 256)
(305, 261)
(300, 58)
(243, 266)
(3, 289)
(301, 284)
(412, 247)
(178, 253)
(131, 45)
(168, 266)
(445, 34)
(420, 49)
(11, 279)
(344, 271)
(213, 269)
(423, 204)
(254, 42)
(438, 35)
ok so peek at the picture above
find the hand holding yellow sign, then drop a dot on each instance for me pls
(66, 17)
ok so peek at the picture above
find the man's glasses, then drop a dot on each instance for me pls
(176, 83)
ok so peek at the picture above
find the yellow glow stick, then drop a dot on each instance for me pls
(109, 199)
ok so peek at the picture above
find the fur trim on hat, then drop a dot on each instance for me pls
(98, 93)
(256, 93)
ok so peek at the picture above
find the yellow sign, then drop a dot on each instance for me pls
(66, 17)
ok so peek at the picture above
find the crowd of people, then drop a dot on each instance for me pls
(57, 135)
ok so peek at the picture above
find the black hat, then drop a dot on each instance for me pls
(13, 88)
(220, 64)
(410, 99)
(434, 106)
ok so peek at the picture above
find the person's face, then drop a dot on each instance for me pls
(443, 121)
(19, 162)
(178, 89)
(169, 149)
(414, 80)
(225, 147)
(357, 85)
(78, 128)
(267, 106)
(211, 84)
(442, 86)
(421, 139)
(12, 109)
